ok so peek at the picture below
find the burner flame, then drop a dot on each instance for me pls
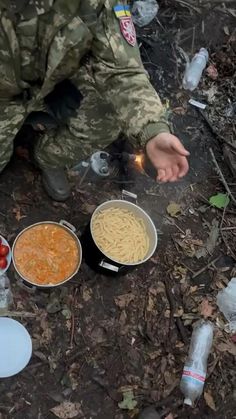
(139, 161)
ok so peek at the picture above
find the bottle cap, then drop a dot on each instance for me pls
(188, 401)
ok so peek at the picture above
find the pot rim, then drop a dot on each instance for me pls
(131, 204)
(48, 285)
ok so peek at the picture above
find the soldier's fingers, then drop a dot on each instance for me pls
(183, 167)
(168, 175)
(175, 174)
(161, 175)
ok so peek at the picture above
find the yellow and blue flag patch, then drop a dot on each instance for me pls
(122, 11)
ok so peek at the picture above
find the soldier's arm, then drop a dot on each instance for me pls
(121, 78)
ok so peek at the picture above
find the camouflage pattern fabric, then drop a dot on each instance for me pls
(44, 45)
(93, 128)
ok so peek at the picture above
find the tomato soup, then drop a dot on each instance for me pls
(46, 254)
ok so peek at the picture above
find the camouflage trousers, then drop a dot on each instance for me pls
(93, 128)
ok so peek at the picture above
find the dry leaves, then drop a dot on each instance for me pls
(206, 309)
(229, 347)
(173, 209)
(209, 400)
(17, 213)
(67, 410)
(87, 294)
(123, 301)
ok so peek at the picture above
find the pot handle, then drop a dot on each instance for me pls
(108, 266)
(129, 196)
(27, 287)
(65, 223)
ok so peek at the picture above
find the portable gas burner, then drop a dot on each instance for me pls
(120, 167)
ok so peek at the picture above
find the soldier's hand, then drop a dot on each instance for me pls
(168, 156)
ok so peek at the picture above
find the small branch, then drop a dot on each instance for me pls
(222, 177)
(223, 237)
(25, 314)
(178, 321)
(72, 334)
(205, 267)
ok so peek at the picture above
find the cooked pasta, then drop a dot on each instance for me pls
(121, 235)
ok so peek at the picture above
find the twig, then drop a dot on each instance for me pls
(228, 228)
(173, 223)
(193, 40)
(219, 137)
(205, 267)
(25, 314)
(84, 175)
(72, 334)
(222, 177)
(178, 321)
(188, 5)
(176, 63)
(223, 237)
(233, 255)
(223, 218)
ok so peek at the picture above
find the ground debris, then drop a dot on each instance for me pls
(67, 410)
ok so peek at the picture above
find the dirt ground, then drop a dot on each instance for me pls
(98, 337)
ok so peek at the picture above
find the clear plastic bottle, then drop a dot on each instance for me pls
(193, 72)
(226, 301)
(144, 11)
(195, 368)
(6, 298)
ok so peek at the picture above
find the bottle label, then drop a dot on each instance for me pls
(198, 377)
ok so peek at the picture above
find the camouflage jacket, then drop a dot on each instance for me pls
(45, 44)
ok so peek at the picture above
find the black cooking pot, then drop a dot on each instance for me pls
(98, 260)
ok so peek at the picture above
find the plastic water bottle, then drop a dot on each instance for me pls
(226, 301)
(6, 298)
(195, 368)
(144, 11)
(193, 72)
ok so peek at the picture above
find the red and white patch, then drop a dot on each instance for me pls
(128, 30)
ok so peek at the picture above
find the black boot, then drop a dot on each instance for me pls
(56, 184)
(149, 413)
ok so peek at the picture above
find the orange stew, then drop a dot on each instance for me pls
(46, 254)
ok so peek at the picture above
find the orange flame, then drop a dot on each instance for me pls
(139, 160)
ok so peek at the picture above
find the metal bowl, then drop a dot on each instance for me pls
(150, 228)
(8, 257)
(70, 229)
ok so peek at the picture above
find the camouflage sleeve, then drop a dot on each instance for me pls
(121, 78)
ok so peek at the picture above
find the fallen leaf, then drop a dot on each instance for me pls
(67, 410)
(170, 416)
(229, 347)
(209, 400)
(226, 30)
(54, 306)
(87, 208)
(128, 402)
(87, 294)
(232, 12)
(233, 338)
(220, 200)
(211, 241)
(180, 110)
(206, 309)
(18, 215)
(98, 335)
(67, 313)
(173, 209)
(212, 72)
(124, 300)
